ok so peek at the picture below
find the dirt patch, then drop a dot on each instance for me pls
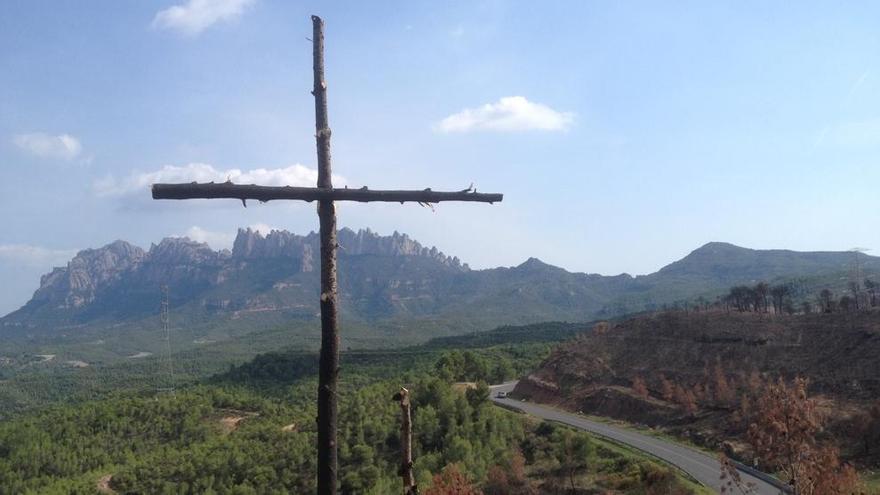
(461, 387)
(230, 419)
(230, 423)
(622, 403)
(103, 485)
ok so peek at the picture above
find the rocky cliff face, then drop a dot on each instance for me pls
(250, 245)
(91, 271)
(368, 242)
(380, 277)
(76, 284)
(191, 266)
(180, 261)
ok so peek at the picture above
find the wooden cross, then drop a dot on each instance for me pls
(325, 195)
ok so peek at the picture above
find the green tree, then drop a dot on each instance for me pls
(478, 395)
(574, 452)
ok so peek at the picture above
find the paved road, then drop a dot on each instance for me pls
(702, 467)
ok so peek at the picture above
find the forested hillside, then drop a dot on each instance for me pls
(251, 430)
(32, 381)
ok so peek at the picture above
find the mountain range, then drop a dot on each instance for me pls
(274, 279)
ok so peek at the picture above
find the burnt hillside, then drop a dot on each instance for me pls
(602, 372)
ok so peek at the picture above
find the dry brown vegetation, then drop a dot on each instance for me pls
(784, 433)
(451, 481)
(510, 479)
(704, 375)
(639, 387)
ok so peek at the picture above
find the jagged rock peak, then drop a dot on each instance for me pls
(365, 241)
(181, 250)
(113, 252)
(75, 284)
(103, 262)
(251, 244)
(184, 262)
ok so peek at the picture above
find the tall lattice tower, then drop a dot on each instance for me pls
(856, 277)
(855, 272)
(165, 380)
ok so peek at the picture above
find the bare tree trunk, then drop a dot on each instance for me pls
(406, 462)
(325, 195)
(329, 363)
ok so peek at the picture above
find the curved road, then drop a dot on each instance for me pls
(702, 467)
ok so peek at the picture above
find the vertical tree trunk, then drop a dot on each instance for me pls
(406, 462)
(329, 363)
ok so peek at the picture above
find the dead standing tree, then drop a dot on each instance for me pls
(406, 461)
(325, 195)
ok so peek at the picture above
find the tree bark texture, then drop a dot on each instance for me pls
(245, 192)
(406, 461)
(328, 372)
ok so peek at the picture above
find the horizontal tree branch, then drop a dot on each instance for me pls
(268, 193)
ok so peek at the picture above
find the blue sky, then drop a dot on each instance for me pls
(623, 134)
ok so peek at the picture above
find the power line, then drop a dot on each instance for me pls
(166, 358)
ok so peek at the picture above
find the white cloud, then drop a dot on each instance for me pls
(34, 255)
(217, 240)
(43, 145)
(263, 229)
(222, 240)
(509, 114)
(139, 182)
(195, 16)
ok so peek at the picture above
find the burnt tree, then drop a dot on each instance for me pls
(406, 461)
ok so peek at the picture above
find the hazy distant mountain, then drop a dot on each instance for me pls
(381, 278)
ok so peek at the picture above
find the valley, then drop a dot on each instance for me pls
(673, 353)
(104, 305)
(492, 247)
